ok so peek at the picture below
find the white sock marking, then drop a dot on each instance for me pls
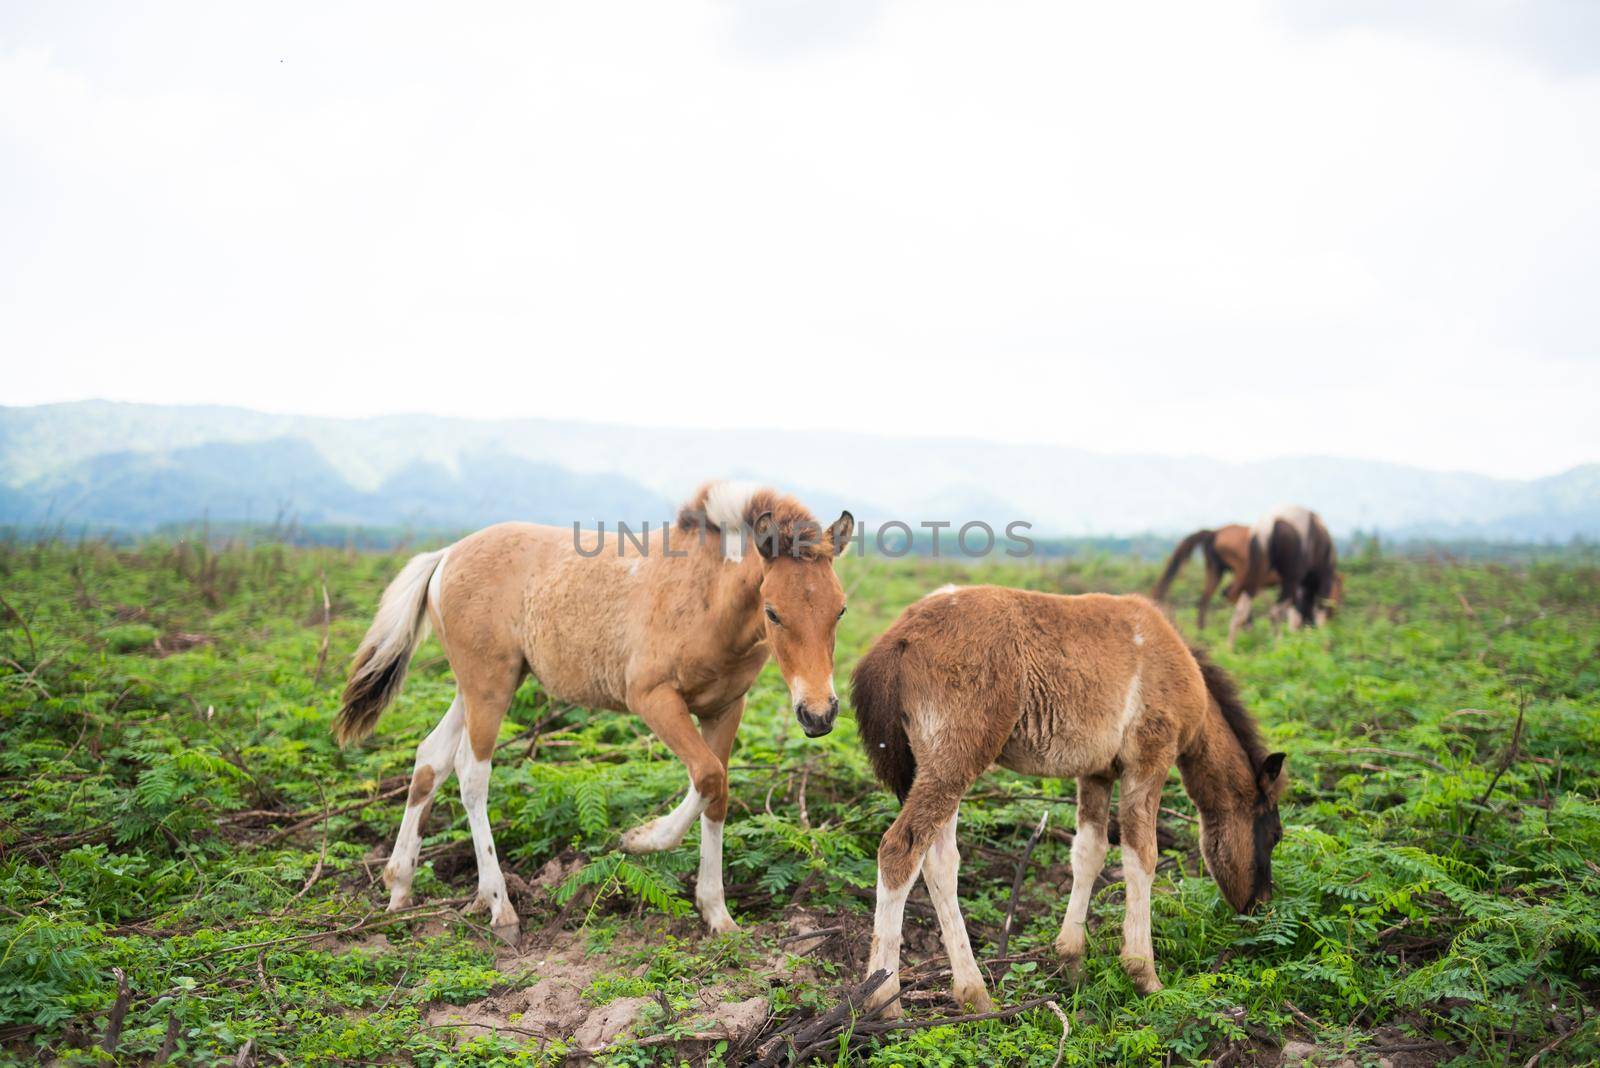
(940, 871)
(436, 753)
(1136, 942)
(474, 776)
(666, 831)
(1088, 857)
(708, 889)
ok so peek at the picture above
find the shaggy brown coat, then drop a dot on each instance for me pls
(1097, 688)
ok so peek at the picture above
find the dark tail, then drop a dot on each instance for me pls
(1223, 691)
(380, 663)
(880, 719)
(1180, 556)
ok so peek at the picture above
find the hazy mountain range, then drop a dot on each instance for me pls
(136, 466)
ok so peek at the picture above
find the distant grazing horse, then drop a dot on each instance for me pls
(673, 627)
(1291, 547)
(1096, 687)
(1225, 549)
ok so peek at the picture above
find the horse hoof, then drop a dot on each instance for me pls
(399, 903)
(507, 932)
(1072, 955)
(1143, 974)
(721, 925)
(974, 998)
(641, 840)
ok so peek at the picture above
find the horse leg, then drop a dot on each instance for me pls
(487, 698)
(1241, 613)
(1088, 857)
(939, 871)
(928, 807)
(664, 712)
(1141, 798)
(1291, 598)
(718, 734)
(434, 758)
(1321, 595)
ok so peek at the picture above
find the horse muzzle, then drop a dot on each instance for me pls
(814, 721)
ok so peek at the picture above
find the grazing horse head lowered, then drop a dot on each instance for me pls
(673, 626)
(1096, 688)
(1289, 548)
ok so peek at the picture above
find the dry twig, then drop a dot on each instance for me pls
(119, 1012)
(1016, 883)
(327, 632)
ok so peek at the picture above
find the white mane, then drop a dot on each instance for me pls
(1295, 515)
(726, 504)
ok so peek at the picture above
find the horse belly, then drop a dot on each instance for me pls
(574, 639)
(1055, 744)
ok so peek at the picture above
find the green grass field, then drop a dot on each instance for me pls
(173, 809)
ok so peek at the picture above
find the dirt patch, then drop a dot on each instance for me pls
(553, 1007)
(559, 967)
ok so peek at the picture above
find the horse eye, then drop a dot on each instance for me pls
(773, 616)
(841, 613)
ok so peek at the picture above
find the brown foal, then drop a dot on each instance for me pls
(1095, 687)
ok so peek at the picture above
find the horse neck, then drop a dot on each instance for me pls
(1215, 770)
(735, 600)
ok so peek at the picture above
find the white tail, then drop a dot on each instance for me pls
(380, 662)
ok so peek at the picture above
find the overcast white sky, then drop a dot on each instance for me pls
(1242, 230)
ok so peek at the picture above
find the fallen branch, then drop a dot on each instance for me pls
(1505, 762)
(885, 1026)
(820, 932)
(27, 631)
(654, 1040)
(327, 632)
(1533, 1061)
(1061, 1046)
(1294, 1010)
(169, 1044)
(825, 1027)
(1399, 755)
(393, 990)
(316, 872)
(1016, 883)
(119, 1012)
(805, 819)
(266, 985)
(281, 834)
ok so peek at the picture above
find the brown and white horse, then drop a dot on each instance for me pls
(1227, 550)
(673, 627)
(1289, 546)
(1095, 687)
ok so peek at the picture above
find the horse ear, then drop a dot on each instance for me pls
(1271, 769)
(839, 533)
(765, 532)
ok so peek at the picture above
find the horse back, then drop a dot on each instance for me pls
(1041, 683)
